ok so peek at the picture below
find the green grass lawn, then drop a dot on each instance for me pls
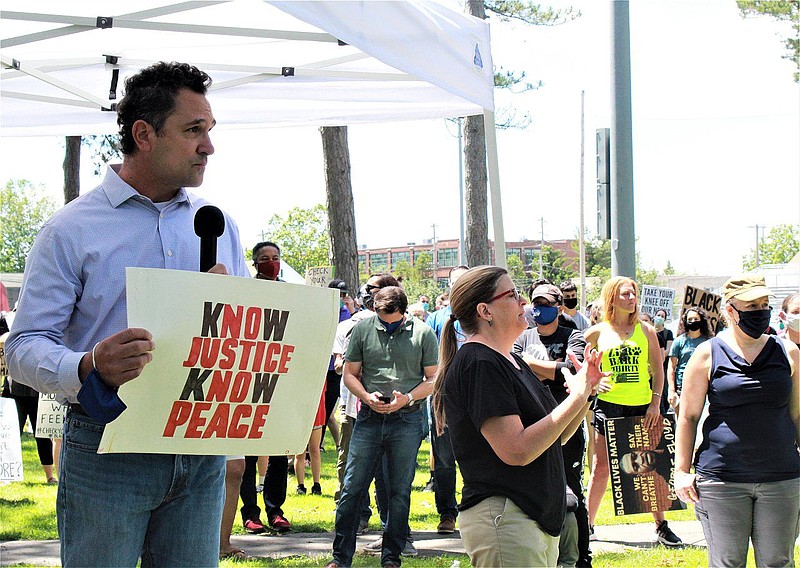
(27, 512)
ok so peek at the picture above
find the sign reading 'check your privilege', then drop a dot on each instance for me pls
(238, 366)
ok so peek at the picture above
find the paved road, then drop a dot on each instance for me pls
(612, 538)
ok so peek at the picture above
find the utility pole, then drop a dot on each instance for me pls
(541, 250)
(623, 235)
(462, 250)
(581, 243)
(435, 259)
(757, 227)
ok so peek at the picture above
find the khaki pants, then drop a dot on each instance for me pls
(497, 533)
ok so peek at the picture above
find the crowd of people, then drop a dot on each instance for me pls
(514, 389)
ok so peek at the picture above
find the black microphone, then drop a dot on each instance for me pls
(209, 223)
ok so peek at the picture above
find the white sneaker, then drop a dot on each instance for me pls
(374, 547)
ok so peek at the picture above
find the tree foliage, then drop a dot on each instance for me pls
(783, 10)
(555, 267)
(104, 148)
(302, 236)
(517, 271)
(598, 267)
(417, 279)
(23, 208)
(779, 247)
(530, 12)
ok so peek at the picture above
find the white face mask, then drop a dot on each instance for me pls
(793, 321)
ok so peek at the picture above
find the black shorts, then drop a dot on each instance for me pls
(604, 410)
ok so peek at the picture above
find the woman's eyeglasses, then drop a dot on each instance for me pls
(511, 292)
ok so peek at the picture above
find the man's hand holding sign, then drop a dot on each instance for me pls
(228, 365)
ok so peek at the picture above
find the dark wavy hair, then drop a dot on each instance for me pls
(705, 325)
(150, 96)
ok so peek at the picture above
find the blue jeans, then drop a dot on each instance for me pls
(398, 436)
(116, 508)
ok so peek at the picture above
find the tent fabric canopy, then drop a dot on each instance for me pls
(273, 63)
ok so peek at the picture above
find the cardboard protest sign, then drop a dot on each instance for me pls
(49, 417)
(10, 444)
(655, 298)
(642, 464)
(3, 368)
(710, 303)
(319, 276)
(238, 367)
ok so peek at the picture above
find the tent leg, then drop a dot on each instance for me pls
(494, 188)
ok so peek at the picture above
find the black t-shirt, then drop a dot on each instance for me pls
(664, 336)
(557, 345)
(563, 339)
(481, 384)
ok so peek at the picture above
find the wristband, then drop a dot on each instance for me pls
(94, 365)
(656, 394)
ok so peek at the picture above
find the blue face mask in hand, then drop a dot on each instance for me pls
(100, 401)
(543, 315)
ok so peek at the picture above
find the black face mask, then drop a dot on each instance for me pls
(694, 325)
(571, 303)
(754, 322)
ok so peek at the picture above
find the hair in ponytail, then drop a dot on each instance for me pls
(475, 286)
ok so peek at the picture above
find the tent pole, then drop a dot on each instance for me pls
(494, 188)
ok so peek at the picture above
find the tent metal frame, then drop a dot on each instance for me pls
(42, 69)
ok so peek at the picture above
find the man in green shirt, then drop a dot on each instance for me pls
(390, 364)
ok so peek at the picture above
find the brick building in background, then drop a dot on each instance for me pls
(445, 255)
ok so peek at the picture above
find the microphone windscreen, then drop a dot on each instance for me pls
(209, 222)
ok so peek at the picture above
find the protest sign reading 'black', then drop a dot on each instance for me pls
(709, 302)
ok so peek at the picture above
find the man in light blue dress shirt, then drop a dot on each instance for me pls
(71, 335)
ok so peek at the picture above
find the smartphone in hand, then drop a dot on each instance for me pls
(386, 399)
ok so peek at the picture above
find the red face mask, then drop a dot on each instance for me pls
(269, 269)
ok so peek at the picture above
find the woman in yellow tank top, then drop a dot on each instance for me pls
(631, 353)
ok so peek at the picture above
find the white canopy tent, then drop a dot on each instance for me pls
(279, 63)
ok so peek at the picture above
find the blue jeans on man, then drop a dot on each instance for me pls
(116, 508)
(397, 436)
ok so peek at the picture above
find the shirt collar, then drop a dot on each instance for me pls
(405, 325)
(118, 191)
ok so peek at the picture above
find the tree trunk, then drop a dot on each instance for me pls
(72, 168)
(341, 211)
(476, 241)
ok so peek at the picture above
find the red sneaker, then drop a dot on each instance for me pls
(254, 526)
(280, 524)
